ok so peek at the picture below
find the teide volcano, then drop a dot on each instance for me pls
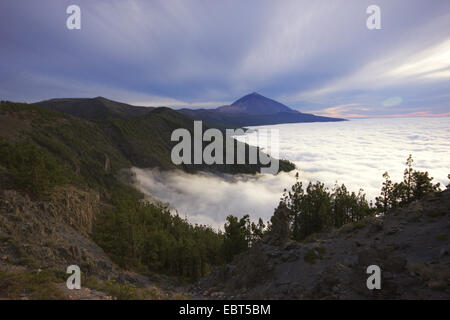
(254, 110)
(255, 103)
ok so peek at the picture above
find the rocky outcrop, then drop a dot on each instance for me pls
(75, 207)
(52, 233)
(49, 234)
(410, 245)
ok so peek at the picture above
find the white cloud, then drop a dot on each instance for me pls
(355, 152)
(430, 64)
(285, 41)
(208, 199)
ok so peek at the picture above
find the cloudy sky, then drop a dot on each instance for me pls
(315, 56)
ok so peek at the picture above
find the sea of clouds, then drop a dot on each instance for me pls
(206, 198)
(355, 153)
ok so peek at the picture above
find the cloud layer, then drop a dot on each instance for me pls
(355, 153)
(358, 152)
(208, 199)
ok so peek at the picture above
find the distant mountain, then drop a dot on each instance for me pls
(253, 110)
(98, 108)
(250, 110)
(255, 103)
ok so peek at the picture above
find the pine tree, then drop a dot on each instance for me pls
(384, 202)
(407, 180)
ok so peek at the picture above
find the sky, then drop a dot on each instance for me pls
(314, 56)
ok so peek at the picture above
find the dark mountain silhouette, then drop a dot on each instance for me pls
(253, 110)
(255, 103)
(250, 110)
(98, 108)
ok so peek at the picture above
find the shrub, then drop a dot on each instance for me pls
(34, 170)
(34, 285)
(313, 254)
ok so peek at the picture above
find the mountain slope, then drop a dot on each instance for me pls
(253, 110)
(97, 149)
(410, 245)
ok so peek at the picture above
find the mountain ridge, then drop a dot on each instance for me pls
(254, 109)
(250, 110)
(98, 108)
(85, 144)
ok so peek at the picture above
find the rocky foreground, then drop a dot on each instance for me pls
(410, 245)
(40, 238)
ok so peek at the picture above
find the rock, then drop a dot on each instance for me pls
(289, 256)
(291, 245)
(443, 252)
(394, 264)
(107, 163)
(375, 224)
(273, 252)
(387, 275)
(437, 284)
(217, 294)
(393, 230)
(367, 258)
(134, 279)
(26, 226)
